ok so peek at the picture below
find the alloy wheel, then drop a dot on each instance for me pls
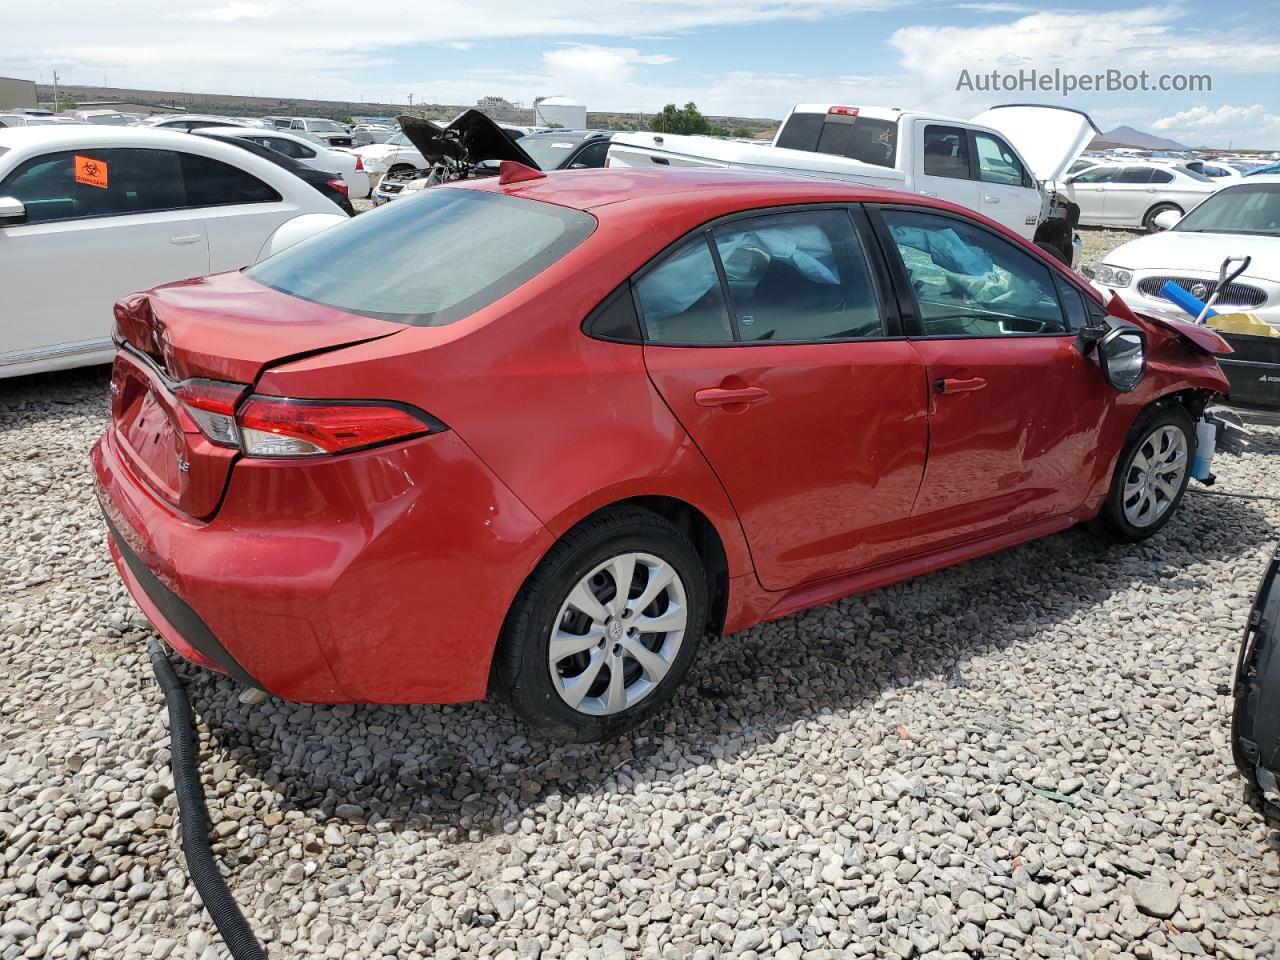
(1155, 476)
(618, 633)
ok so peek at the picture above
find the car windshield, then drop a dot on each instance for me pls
(548, 152)
(429, 259)
(326, 126)
(1251, 209)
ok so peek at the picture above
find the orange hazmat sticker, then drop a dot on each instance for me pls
(91, 172)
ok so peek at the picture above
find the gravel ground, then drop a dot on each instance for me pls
(1023, 756)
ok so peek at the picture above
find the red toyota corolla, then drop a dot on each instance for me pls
(537, 436)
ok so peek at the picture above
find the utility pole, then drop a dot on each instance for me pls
(411, 101)
(55, 91)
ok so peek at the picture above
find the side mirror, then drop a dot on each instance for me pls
(1167, 219)
(12, 212)
(1122, 352)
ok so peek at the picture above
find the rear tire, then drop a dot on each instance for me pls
(1054, 251)
(607, 672)
(1149, 221)
(1151, 475)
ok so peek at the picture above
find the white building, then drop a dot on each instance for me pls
(560, 112)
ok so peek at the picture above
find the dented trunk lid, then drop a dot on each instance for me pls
(227, 329)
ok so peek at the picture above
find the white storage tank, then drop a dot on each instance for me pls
(560, 111)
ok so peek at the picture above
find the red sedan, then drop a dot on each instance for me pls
(536, 435)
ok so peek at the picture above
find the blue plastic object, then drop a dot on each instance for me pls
(1171, 291)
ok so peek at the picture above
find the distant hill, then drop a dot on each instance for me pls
(1129, 137)
(241, 106)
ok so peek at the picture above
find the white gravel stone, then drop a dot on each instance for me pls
(856, 780)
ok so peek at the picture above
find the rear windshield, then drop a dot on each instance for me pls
(859, 138)
(429, 259)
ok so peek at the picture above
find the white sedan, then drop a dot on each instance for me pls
(89, 214)
(310, 152)
(1134, 194)
(391, 157)
(1242, 219)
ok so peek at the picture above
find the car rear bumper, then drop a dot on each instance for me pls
(375, 577)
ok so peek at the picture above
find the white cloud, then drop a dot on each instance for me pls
(1203, 118)
(995, 7)
(227, 14)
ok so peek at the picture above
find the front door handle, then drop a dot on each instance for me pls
(928, 193)
(193, 238)
(990, 199)
(954, 385)
(727, 396)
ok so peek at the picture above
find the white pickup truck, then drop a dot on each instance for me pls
(1004, 163)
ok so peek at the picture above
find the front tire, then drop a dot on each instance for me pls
(605, 628)
(1151, 474)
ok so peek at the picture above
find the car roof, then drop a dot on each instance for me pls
(567, 134)
(71, 136)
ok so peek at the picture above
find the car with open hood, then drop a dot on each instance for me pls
(539, 433)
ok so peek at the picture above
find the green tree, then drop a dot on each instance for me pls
(685, 120)
(743, 132)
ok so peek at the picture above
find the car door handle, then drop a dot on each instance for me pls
(953, 385)
(928, 193)
(726, 396)
(192, 238)
(990, 199)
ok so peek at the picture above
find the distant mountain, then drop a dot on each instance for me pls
(1129, 137)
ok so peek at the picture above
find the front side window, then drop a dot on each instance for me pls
(971, 283)
(997, 163)
(592, 155)
(212, 183)
(429, 259)
(946, 152)
(1096, 175)
(681, 299)
(798, 276)
(81, 184)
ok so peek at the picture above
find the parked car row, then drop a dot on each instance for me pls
(1133, 194)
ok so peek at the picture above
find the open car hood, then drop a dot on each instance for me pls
(481, 137)
(1050, 139)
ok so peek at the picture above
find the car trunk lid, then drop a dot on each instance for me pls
(1049, 139)
(209, 338)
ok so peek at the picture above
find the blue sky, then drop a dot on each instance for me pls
(748, 57)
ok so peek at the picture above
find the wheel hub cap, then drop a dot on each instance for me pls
(1156, 474)
(617, 634)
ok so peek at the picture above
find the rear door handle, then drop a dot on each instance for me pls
(990, 199)
(953, 385)
(725, 396)
(928, 193)
(193, 238)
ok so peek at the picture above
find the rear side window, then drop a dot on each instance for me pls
(1134, 175)
(429, 259)
(1161, 176)
(681, 299)
(946, 152)
(212, 183)
(798, 276)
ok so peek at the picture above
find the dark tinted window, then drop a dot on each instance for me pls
(798, 276)
(616, 318)
(1134, 175)
(1161, 176)
(801, 131)
(681, 299)
(290, 148)
(971, 283)
(212, 183)
(72, 185)
(1072, 304)
(592, 155)
(946, 152)
(428, 259)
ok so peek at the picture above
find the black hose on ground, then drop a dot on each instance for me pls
(194, 816)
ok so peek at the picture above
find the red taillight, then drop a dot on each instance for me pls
(337, 185)
(280, 427)
(212, 405)
(843, 111)
(359, 163)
